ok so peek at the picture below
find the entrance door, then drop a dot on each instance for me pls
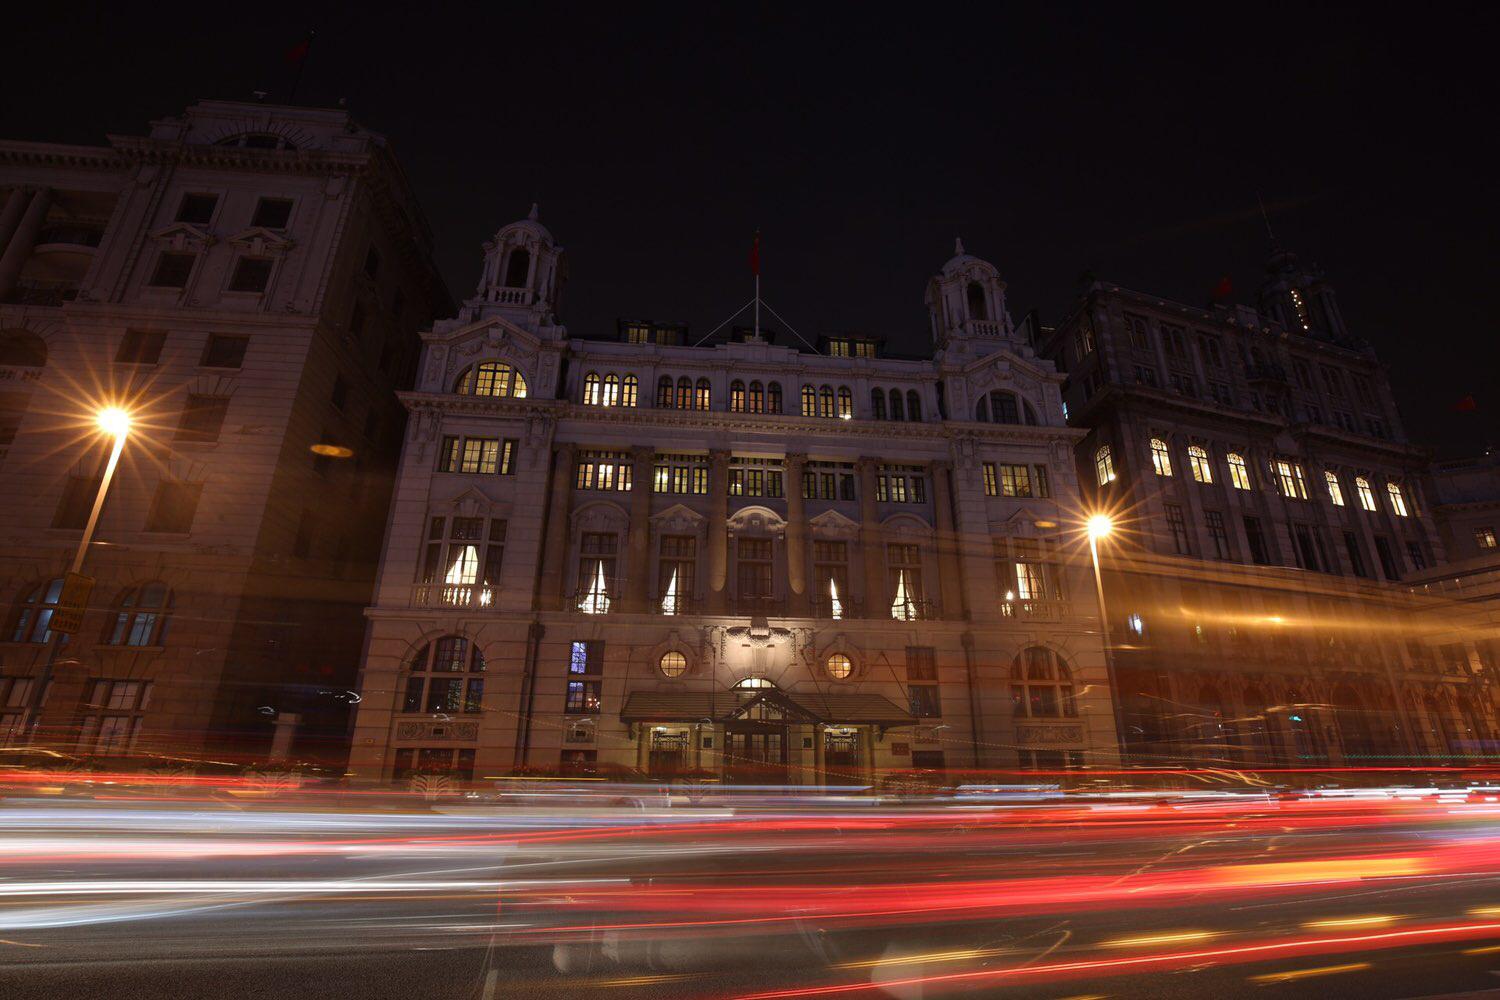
(755, 753)
(841, 755)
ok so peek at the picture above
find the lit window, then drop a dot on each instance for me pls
(1135, 624)
(630, 390)
(491, 378)
(1042, 685)
(1203, 472)
(445, 677)
(840, 666)
(611, 389)
(1485, 538)
(1239, 473)
(34, 615)
(141, 617)
(1398, 499)
(1289, 475)
(991, 484)
(1104, 466)
(1366, 495)
(846, 403)
(591, 395)
(1161, 459)
(673, 663)
(1335, 491)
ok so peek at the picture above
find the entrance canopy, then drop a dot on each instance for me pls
(722, 706)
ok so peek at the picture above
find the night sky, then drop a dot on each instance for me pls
(1127, 142)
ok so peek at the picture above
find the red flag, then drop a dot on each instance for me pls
(298, 52)
(1465, 405)
(1222, 291)
(755, 255)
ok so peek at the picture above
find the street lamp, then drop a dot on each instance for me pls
(1102, 526)
(115, 422)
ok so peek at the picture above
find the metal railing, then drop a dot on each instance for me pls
(83, 236)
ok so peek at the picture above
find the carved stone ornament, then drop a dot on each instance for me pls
(601, 516)
(437, 730)
(1049, 733)
(832, 524)
(678, 519)
(756, 521)
(758, 635)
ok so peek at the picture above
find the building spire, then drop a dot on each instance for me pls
(533, 213)
(958, 246)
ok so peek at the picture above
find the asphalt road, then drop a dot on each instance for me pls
(207, 900)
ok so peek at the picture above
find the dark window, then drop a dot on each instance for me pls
(1217, 532)
(197, 209)
(517, 268)
(22, 348)
(251, 274)
(1307, 553)
(173, 507)
(1387, 558)
(272, 213)
(1415, 554)
(922, 687)
(372, 262)
(1356, 554)
(224, 351)
(141, 347)
(202, 418)
(173, 269)
(1178, 528)
(924, 701)
(1257, 541)
(340, 394)
(77, 502)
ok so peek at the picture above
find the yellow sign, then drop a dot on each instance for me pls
(68, 618)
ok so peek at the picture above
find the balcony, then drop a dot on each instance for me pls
(919, 610)
(984, 328)
(847, 607)
(511, 296)
(42, 293)
(758, 607)
(678, 604)
(449, 595)
(1036, 610)
(68, 237)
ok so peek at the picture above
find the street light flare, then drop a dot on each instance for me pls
(1100, 525)
(114, 420)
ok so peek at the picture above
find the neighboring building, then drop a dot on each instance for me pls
(248, 279)
(741, 558)
(1270, 504)
(1466, 497)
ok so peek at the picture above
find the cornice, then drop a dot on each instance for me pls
(718, 420)
(140, 149)
(57, 155)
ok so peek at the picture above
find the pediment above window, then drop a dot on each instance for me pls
(181, 236)
(832, 524)
(261, 242)
(678, 519)
(755, 520)
(472, 502)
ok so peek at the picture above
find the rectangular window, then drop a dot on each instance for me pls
(1178, 527)
(77, 502)
(904, 581)
(603, 470)
(1387, 558)
(583, 698)
(1335, 490)
(197, 209)
(1140, 336)
(1257, 541)
(1289, 476)
(1306, 550)
(1015, 481)
(481, 456)
(272, 213)
(924, 701)
(1484, 538)
(756, 477)
(251, 274)
(173, 507)
(224, 351)
(1043, 486)
(596, 571)
(202, 419)
(753, 568)
(991, 483)
(1356, 554)
(1416, 555)
(173, 270)
(676, 573)
(140, 347)
(1218, 533)
(461, 563)
(900, 484)
(586, 658)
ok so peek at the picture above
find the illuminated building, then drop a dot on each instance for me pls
(1270, 505)
(248, 279)
(743, 558)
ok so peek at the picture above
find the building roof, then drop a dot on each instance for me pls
(696, 706)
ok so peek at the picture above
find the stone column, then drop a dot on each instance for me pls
(877, 601)
(799, 599)
(718, 532)
(554, 576)
(22, 240)
(950, 578)
(637, 588)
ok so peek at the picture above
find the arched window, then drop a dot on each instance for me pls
(1161, 458)
(1335, 490)
(1003, 408)
(840, 666)
(1199, 465)
(982, 410)
(757, 402)
(825, 401)
(1366, 495)
(703, 395)
(736, 396)
(445, 676)
(630, 389)
(978, 306)
(673, 663)
(33, 617)
(1104, 465)
(517, 268)
(664, 392)
(877, 404)
(491, 378)
(809, 401)
(684, 393)
(1239, 472)
(846, 403)
(898, 408)
(913, 405)
(1042, 685)
(22, 349)
(1028, 414)
(1398, 499)
(611, 389)
(141, 617)
(591, 389)
(773, 397)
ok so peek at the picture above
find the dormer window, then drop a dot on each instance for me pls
(978, 305)
(518, 268)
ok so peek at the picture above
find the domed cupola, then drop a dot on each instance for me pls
(966, 300)
(523, 277)
(1300, 298)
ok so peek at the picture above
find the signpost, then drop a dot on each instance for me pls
(67, 617)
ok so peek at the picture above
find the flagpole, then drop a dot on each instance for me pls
(757, 305)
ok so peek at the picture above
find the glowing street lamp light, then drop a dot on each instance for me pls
(114, 421)
(1100, 526)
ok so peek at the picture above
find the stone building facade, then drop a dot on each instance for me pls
(247, 280)
(635, 553)
(1269, 507)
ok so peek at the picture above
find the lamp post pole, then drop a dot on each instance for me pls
(1098, 527)
(117, 423)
